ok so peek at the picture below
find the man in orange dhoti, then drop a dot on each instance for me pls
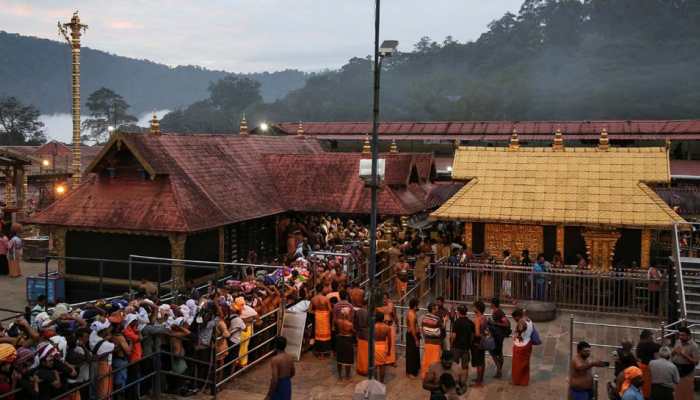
(389, 314)
(360, 324)
(321, 308)
(433, 333)
(382, 344)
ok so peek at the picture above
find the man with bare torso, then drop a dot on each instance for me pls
(321, 308)
(282, 365)
(401, 276)
(344, 346)
(357, 296)
(382, 344)
(389, 312)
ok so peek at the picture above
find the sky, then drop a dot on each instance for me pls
(253, 35)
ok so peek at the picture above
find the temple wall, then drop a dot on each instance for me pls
(515, 238)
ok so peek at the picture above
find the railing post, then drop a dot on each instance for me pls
(46, 279)
(156, 377)
(130, 284)
(595, 386)
(663, 333)
(159, 280)
(101, 278)
(571, 337)
(213, 363)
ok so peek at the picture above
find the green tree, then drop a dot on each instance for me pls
(19, 123)
(106, 109)
(234, 93)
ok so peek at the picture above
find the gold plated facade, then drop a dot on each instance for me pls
(574, 186)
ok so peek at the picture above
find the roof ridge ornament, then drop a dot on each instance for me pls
(393, 148)
(558, 144)
(243, 126)
(155, 125)
(514, 142)
(300, 129)
(366, 147)
(603, 142)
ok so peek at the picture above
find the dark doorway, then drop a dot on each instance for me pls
(549, 245)
(628, 248)
(573, 244)
(478, 237)
(202, 246)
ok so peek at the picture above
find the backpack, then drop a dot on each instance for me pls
(430, 327)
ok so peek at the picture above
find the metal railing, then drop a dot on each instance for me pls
(570, 289)
(679, 272)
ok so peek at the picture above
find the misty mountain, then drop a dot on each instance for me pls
(37, 71)
(555, 60)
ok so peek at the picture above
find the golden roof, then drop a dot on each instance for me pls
(571, 186)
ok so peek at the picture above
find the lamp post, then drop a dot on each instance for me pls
(387, 49)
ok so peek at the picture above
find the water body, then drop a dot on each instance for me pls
(60, 126)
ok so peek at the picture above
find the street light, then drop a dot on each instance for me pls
(60, 189)
(264, 127)
(45, 162)
(387, 49)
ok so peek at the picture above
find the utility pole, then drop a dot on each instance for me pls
(372, 304)
(74, 28)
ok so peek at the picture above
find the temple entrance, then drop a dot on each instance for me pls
(628, 248)
(478, 237)
(573, 244)
(549, 241)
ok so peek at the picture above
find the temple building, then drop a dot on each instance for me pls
(214, 197)
(48, 168)
(594, 201)
(441, 136)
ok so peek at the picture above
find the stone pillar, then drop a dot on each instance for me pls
(19, 187)
(222, 250)
(58, 237)
(177, 251)
(646, 248)
(600, 246)
(9, 188)
(467, 237)
(560, 241)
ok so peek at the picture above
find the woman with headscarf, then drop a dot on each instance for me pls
(632, 384)
(522, 348)
(248, 314)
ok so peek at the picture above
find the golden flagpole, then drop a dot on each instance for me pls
(74, 28)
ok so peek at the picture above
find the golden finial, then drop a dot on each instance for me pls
(603, 142)
(558, 140)
(155, 125)
(393, 148)
(514, 143)
(243, 126)
(300, 129)
(366, 147)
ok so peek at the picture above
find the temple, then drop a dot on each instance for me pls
(594, 201)
(215, 197)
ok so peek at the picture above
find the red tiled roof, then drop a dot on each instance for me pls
(211, 181)
(685, 168)
(501, 130)
(329, 182)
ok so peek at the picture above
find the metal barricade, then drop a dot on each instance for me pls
(621, 291)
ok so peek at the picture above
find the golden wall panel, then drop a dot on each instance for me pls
(514, 238)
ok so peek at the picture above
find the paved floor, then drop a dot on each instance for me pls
(13, 291)
(316, 379)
